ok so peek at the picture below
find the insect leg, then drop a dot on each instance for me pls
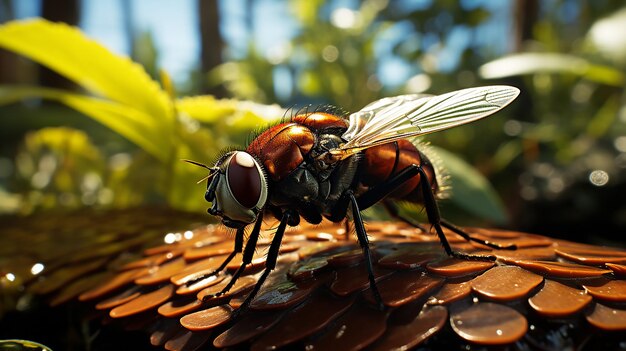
(245, 260)
(270, 264)
(434, 217)
(236, 249)
(364, 242)
(393, 211)
(468, 237)
(379, 192)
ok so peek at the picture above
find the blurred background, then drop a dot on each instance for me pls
(555, 159)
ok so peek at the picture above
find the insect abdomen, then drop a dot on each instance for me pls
(382, 162)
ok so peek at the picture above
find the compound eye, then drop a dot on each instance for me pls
(244, 179)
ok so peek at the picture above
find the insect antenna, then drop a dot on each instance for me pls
(198, 164)
(212, 170)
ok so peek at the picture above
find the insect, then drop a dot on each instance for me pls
(320, 165)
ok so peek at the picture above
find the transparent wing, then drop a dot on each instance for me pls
(404, 116)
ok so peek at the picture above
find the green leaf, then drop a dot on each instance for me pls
(533, 63)
(132, 124)
(206, 109)
(470, 189)
(70, 53)
(604, 118)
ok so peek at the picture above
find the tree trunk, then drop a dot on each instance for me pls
(525, 16)
(67, 11)
(211, 44)
(8, 61)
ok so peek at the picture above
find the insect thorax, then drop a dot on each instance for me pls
(316, 184)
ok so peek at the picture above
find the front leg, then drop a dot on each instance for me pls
(236, 249)
(272, 257)
(246, 259)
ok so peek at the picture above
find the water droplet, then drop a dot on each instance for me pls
(599, 177)
(169, 238)
(37, 268)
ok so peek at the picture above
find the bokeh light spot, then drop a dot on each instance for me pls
(599, 177)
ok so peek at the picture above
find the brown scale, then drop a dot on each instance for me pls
(318, 297)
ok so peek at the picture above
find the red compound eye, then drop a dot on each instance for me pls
(244, 179)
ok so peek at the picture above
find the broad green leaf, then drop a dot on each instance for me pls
(532, 63)
(470, 189)
(132, 124)
(604, 118)
(205, 109)
(67, 51)
(237, 116)
(18, 344)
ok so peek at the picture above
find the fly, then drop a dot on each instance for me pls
(321, 165)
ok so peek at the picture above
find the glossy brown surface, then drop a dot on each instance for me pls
(319, 297)
(454, 267)
(350, 333)
(206, 319)
(592, 256)
(404, 336)
(247, 328)
(303, 321)
(558, 300)
(607, 289)
(562, 269)
(384, 161)
(618, 269)
(405, 287)
(506, 283)
(143, 302)
(451, 292)
(488, 323)
(282, 148)
(320, 120)
(607, 318)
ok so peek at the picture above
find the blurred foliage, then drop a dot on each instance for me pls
(574, 125)
(568, 59)
(167, 129)
(540, 153)
(22, 345)
(65, 160)
(337, 52)
(61, 167)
